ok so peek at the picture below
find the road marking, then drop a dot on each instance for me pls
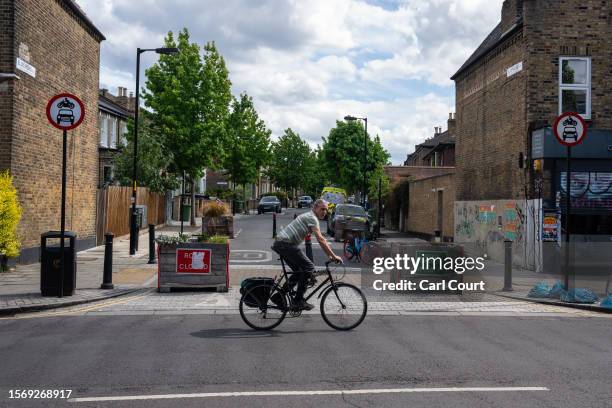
(306, 392)
(238, 233)
(250, 255)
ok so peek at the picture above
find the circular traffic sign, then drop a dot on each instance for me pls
(569, 129)
(65, 111)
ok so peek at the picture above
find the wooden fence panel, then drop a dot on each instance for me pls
(114, 203)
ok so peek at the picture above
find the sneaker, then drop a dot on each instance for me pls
(277, 299)
(302, 305)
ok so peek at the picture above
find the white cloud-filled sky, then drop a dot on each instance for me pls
(308, 63)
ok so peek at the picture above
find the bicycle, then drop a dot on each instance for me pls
(343, 306)
(357, 245)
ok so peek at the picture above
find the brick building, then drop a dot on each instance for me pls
(438, 150)
(48, 47)
(543, 58)
(113, 115)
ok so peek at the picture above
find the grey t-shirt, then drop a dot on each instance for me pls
(297, 230)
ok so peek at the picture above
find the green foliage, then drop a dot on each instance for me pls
(342, 155)
(10, 214)
(189, 95)
(314, 174)
(172, 239)
(249, 140)
(290, 161)
(213, 239)
(153, 162)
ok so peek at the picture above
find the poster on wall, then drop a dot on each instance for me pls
(551, 226)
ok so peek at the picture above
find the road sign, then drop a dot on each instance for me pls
(192, 260)
(569, 129)
(65, 111)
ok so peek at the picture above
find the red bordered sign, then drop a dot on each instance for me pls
(65, 111)
(193, 260)
(570, 129)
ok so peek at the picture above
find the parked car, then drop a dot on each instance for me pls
(347, 217)
(304, 201)
(269, 203)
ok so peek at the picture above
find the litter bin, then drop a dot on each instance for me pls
(186, 212)
(50, 264)
(238, 206)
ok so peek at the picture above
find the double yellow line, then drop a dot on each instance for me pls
(33, 315)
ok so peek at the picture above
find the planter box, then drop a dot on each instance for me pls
(223, 225)
(193, 265)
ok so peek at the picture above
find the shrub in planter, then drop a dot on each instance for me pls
(215, 222)
(10, 213)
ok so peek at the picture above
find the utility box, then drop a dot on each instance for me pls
(50, 264)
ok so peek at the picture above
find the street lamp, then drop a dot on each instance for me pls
(365, 155)
(133, 227)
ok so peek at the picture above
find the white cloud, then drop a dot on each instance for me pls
(308, 63)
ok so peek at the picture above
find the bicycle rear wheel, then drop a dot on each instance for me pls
(369, 251)
(343, 306)
(258, 310)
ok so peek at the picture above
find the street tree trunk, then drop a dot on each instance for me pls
(192, 222)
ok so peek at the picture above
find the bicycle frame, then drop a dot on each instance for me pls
(329, 279)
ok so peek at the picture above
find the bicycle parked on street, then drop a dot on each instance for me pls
(265, 302)
(358, 247)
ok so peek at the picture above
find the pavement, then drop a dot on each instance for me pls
(251, 256)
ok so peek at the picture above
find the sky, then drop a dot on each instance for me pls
(309, 63)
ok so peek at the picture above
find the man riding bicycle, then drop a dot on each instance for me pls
(287, 246)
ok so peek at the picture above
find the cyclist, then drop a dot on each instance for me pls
(287, 246)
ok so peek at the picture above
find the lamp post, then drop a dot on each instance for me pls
(365, 156)
(133, 227)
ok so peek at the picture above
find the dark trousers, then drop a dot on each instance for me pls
(298, 262)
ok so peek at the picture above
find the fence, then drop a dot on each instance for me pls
(113, 209)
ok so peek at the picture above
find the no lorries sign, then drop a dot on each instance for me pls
(569, 129)
(192, 260)
(65, 111)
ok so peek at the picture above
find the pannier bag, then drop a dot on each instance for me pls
(259, 290)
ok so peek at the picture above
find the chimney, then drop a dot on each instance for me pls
(511, 11)
(451, 123)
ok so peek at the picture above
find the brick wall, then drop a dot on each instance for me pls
(584, 28)
(7, 66)
(491, 127)
(397, 173)
(66, 56)
(423, 205)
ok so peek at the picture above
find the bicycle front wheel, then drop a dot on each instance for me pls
(343, 306)
(261, 309)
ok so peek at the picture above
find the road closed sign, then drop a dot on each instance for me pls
(65, 111)
(570, 129)
(192, 260)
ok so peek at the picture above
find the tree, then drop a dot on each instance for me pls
(249, 139)
(342, 156)
(154, 162)
(314, 175)
(10, 214)
(290, 161)
(190, 98)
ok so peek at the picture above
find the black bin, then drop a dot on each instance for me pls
(50, 264)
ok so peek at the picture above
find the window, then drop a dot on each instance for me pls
(103, 117)
(123, 132)
(575, 86)
(112, 132)
(108, 174)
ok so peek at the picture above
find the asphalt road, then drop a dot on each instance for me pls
(433, 361)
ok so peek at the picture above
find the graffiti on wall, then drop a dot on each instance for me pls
(514, 222)
(490, 221)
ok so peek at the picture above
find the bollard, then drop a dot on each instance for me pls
(273, 225)
(437, 237)
(107, 279)
(308, 245)
(152, 244)
(507, 266)
(294, 216)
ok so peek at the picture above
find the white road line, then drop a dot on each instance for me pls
(306, 392)
(238, 233)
